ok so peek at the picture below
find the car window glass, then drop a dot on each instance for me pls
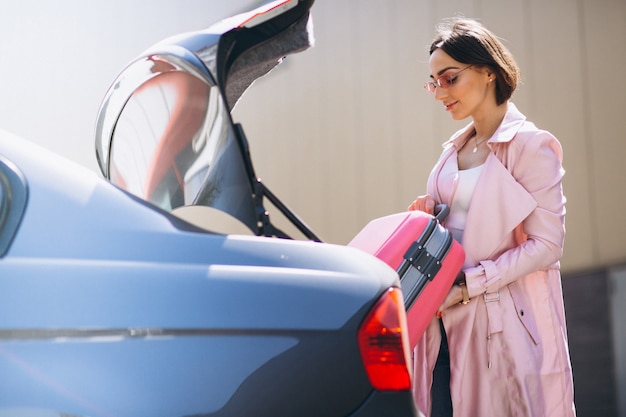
(3, 202)
(13, 194)
(173, 145)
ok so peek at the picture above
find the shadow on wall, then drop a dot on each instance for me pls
(597, 343)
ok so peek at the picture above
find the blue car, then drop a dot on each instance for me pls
(164, 289)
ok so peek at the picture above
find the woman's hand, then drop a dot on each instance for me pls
(424, 203)
(455, 296)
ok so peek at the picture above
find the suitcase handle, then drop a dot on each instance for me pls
(441, 212)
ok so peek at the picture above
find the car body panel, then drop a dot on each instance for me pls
(109, 306)
(112, 305)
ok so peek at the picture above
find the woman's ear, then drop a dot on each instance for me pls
(490, 74)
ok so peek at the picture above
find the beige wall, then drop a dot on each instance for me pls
(344, 132)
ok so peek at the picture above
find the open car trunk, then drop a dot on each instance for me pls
(165, 132)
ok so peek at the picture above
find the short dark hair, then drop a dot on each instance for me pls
(469, 42)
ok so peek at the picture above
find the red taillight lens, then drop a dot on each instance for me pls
(384, 344)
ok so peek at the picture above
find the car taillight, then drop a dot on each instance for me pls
(384, 344)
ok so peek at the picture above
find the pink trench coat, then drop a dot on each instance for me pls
(508, 346)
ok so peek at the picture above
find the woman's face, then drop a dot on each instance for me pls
(467, 92)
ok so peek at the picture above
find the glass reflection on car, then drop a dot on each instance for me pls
(162, 130)
(173, 146)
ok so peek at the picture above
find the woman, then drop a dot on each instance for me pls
(503, 323)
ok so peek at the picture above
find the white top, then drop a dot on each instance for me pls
(461, 201)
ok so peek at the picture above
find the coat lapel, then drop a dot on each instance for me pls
(507, 204)
(497, 192)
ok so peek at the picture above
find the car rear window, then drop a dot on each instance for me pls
(13, 196)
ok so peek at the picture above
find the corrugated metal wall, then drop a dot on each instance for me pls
(344, 132)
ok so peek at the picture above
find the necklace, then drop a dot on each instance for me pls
(476, 144)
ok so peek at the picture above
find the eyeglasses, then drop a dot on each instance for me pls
(444, 81)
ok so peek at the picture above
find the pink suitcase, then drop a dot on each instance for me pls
(425, 256)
